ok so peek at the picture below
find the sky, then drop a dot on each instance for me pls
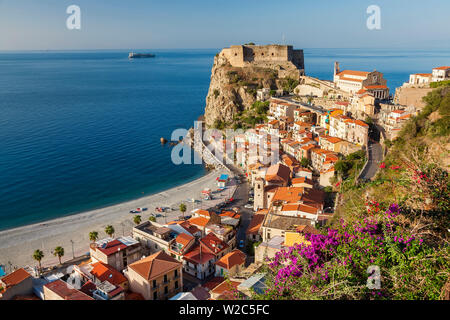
(186, 24)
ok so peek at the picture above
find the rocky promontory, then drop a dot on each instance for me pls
(239, 71)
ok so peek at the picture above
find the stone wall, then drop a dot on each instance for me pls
(246, 55)
(411, 97)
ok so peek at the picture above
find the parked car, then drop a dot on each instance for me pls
(241, 243)
(248, 206)
(134, 211)
(250, 199)
(158, 215)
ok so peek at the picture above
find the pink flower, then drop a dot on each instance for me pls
(382, 165)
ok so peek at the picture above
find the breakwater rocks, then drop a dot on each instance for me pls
(196, 143)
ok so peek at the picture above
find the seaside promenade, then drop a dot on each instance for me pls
(17, 245)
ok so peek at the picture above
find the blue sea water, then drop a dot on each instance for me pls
(80, 130)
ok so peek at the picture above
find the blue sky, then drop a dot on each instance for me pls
(139, 24)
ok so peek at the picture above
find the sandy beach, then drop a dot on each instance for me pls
(17, 245)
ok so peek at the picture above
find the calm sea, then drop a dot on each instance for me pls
(81, 130)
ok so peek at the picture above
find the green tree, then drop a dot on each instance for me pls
(137, 219)
(152, 218)
(93, 236)
(342, 167)
(58, 252)
(305, 162)
(109, 230)
(183, 208)
(38, 255)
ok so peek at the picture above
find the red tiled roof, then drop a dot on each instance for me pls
(184, 239)
(353, 73)
(105, 272)
(195, 256)
(112, 247)
(199, 221)
(15, 277)
(212, 243)
(256, 222)
(225, 286)
(65, 291)
(442, 68)
(155, 265)
(235, 257)
(214, 282)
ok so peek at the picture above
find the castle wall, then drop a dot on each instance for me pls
(240, 56)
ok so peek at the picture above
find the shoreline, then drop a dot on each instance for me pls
(18, 244)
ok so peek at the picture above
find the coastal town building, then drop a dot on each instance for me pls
(441, 74)
(230, 264)
(17, 283)
(153, 236)
(60, 290)
(118, 253)
(354, 81)
(156, 277)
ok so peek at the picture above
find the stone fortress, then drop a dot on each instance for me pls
(282, 58)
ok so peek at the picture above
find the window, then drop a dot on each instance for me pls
(165, 278)
(154, 283)
(166, 290)
(176, 284)
(176, 273)
(155, 295)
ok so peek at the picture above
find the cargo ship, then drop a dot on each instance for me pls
(132, 55)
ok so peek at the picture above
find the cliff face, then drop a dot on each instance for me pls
(233, 88)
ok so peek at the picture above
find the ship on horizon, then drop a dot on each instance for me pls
(132, 55)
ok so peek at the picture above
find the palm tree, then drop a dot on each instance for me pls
(109, 230)
(38, 255)
(152, 218)
(137, 219)
(183, 208)
(58, 252)
(93, 236)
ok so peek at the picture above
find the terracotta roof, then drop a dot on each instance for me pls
(65, 291)
(104, 272)
(184, 239)
(333, 139)
(225, 286)
(15, 277)
(442, 68)
(288, 194)
(353, 73)
(423, 74)
(214, 282)
(307, 229)
(199, 221)
(155, 265)
(302, 180)
(201, 293)
(235, 257)
(112, 247)
(203, 212)
(212, 243)
(256, 222)
(376, 87)
(278, 172)
(195, 256)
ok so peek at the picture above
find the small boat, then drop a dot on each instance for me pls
(133, 55)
